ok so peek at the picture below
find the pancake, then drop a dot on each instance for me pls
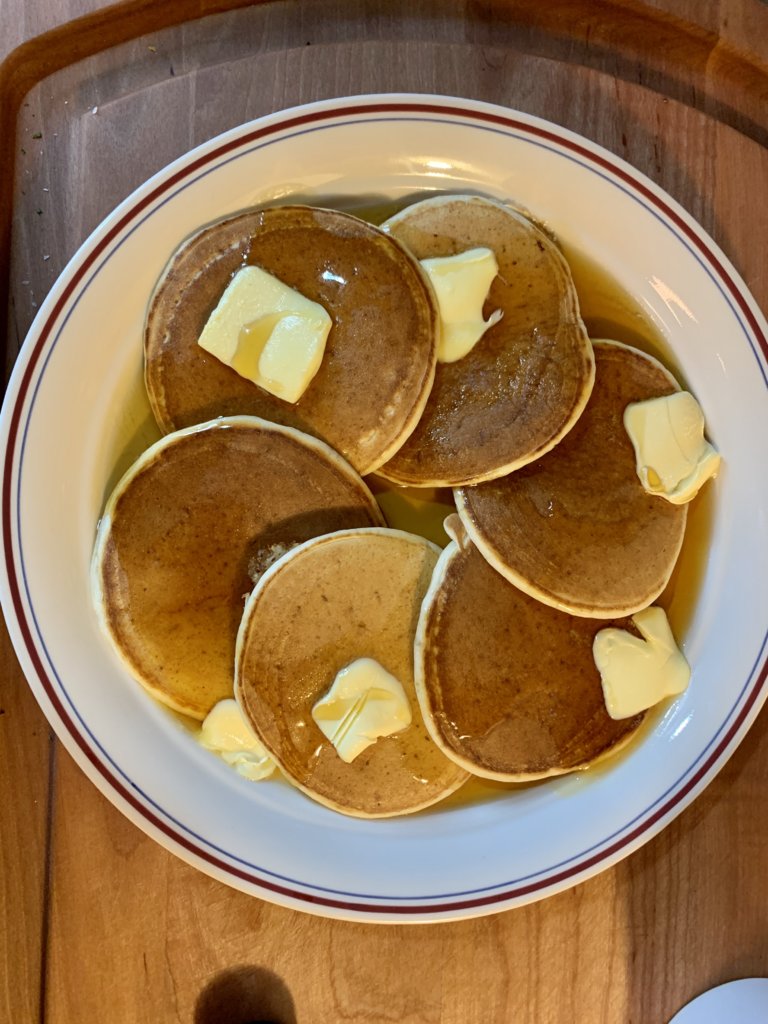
(508, 686)
(526, 381)
(327, 603)
(188, 530)
(576, 529)
(379, 359)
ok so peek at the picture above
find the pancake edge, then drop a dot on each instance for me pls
(484, 543)
(253, 598)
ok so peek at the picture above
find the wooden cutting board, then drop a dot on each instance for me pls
(99, 920)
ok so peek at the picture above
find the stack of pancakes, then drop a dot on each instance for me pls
(244, 551)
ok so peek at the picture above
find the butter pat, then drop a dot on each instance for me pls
(226, 732)
(364, 703)
(672, 458)
(637, 673)
(268, 333)
(461, 284)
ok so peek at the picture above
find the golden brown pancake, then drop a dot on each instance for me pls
(379, 359)
(189, 529)
(576, 529)
(526, 381)
(321, 607)
(508, 686)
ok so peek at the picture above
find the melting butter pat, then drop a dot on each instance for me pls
(226, 732)
(461, 284)
(364, 703)
(268, 333)
(672, 457)
(638, 672)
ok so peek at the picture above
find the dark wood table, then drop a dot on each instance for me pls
(99, 922)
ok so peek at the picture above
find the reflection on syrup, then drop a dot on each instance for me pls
(682, 591)
(420, 510)
(476, 790)
(609, 312)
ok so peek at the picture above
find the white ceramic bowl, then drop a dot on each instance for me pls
(75, 415)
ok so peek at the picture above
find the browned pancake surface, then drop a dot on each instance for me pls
(339, 599)
(204, 514)
(379, 357)
(576, 528)
(526, 380)
(509, 685)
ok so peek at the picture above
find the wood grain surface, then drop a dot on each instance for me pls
(98, 920)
